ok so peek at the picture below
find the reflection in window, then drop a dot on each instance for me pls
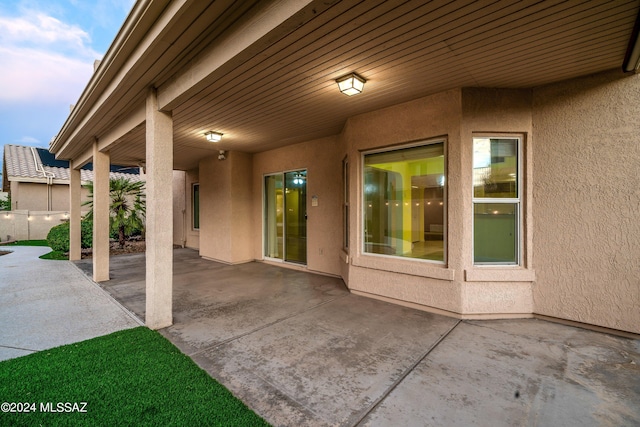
(496, 201)
(196, 206)
(404, 202)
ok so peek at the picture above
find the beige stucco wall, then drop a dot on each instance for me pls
(29, 225)
(586, 160)
(34, 196)
(30, 219)
(226, 209)
(322, 159)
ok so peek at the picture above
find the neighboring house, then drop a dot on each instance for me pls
(489, 168)
(38, 185)
(37, 181)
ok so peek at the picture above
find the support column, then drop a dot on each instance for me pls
(101, 201)
(159, 216)
(75, 189)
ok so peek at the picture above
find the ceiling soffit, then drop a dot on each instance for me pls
(281, 89)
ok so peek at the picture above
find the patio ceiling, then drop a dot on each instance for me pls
(281, 89)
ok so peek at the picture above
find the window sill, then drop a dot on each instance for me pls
(398, 265)
(503, 274)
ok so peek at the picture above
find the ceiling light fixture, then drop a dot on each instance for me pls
(213, 136)
(351, 84)
(298, 179)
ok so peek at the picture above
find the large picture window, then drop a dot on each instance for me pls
(496, 200)
(405, 203)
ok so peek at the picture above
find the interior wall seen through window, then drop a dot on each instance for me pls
(405, 203)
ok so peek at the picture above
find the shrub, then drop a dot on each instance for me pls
(86, 234)
(58, 237)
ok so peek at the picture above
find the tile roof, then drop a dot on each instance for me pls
(19, 163)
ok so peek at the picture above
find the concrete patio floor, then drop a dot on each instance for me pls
(299, 349)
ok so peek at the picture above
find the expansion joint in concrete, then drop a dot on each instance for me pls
(18, 348)
(401, 378)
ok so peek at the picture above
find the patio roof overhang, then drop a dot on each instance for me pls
(263, 72)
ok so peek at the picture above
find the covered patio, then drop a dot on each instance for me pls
(218, 102)
(299, 349)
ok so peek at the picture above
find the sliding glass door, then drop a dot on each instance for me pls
(285, 216)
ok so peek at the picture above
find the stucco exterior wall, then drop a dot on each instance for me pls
(242, 230)
(225, 208)
(29, 225)
(586, 160)
(322, 159)
(34, 196)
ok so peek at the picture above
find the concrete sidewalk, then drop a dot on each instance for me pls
(45, 304)
(300, 350)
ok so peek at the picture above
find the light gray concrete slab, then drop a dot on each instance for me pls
(45, 304)
(519, 373)
(328, 365)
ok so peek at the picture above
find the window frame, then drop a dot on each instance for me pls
(517, 201)
(193, 207)
(345, 204)
(362, 220)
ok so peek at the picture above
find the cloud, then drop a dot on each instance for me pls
(33, 75)
(43, 59)
(41, 30)
(28, 140)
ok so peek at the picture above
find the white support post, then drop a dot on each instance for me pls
(159, 217)
(101, 201)
(75, 189)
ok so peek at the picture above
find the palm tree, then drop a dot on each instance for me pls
(127, 208)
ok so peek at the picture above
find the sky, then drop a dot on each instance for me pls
(47, 51)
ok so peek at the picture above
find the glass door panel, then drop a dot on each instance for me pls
(296, 216)
(285, 216)
(273, 213)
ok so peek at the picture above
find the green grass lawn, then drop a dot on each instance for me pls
(131, 378)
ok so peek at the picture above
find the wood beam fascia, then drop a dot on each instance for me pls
(84, 158)
(134, 119)
(71, 132)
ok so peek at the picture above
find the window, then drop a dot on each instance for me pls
(345, 204)
(195, 198)
(496, 200)
(404, 202)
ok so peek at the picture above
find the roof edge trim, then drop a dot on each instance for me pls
(129, 26)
